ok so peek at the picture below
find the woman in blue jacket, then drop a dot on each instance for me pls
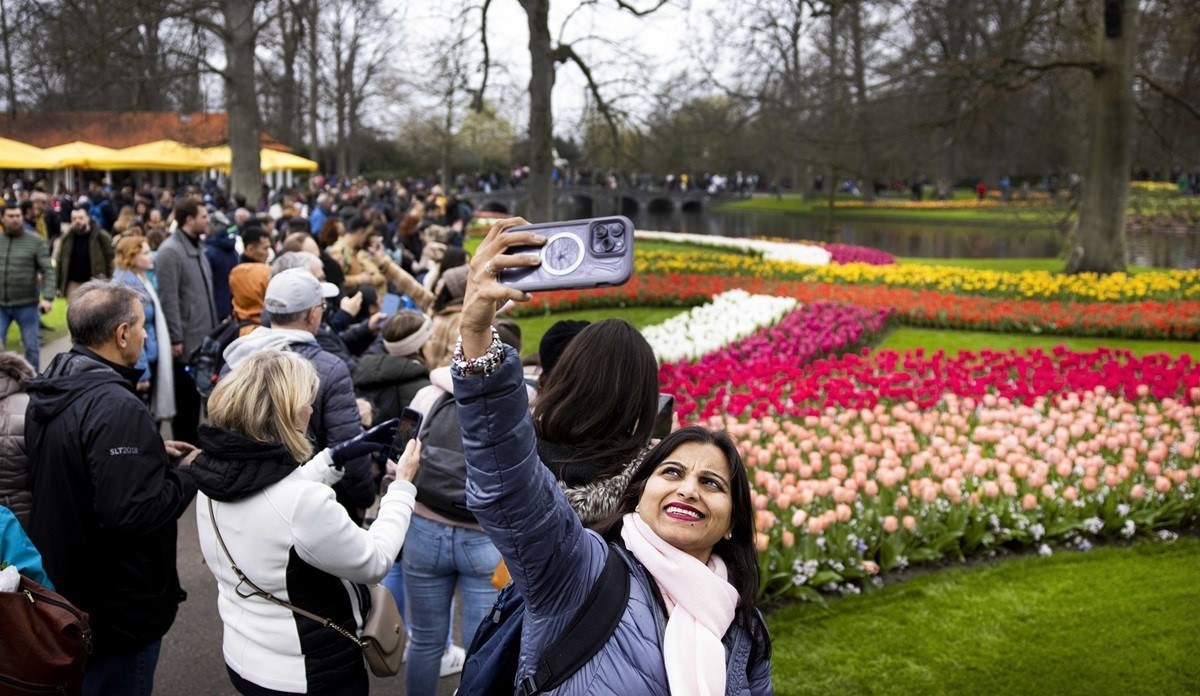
(685, 526)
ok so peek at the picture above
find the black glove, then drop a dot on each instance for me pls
(374, 440)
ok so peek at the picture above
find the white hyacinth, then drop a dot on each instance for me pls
(730, 316)
(772, 251)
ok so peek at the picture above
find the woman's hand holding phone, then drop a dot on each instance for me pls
(406, 469)
(484, 292)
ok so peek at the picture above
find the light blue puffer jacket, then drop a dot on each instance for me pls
(553, 560)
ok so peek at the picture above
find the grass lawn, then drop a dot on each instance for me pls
(906, 338)
(1052, 265)
(532, 328)
(1112, 621)
(56, 319)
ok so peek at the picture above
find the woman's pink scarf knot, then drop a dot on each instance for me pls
(700, 606)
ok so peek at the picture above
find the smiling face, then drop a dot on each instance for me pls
(687, 499)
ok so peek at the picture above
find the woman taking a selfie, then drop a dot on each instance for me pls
(281, 525)
(684, 527)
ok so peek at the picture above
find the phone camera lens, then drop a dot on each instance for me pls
(601, 232)
(608, 244)
(616, 229)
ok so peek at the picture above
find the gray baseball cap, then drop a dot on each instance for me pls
(296, 290)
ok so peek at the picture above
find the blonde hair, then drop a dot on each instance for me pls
(263, 399)
(127, 250)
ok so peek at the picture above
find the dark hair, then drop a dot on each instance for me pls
(738, 553)
(555, 341)
(357, 224)
(187, 207)
(602, 397)
(330, 232)
(26, 207)
(97, 308)
(252, 233)
(453, 258)
(155, 237)
(402, 324)
(299, 224)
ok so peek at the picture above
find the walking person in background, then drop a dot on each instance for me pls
(86, 252)
(185, 289)
(134, 263)
(24, 256)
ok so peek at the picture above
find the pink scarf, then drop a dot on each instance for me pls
(700, 605)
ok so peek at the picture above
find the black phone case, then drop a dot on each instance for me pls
(596, 268)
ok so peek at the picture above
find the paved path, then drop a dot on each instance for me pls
(191, 660)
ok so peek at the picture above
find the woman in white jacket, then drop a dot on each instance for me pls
(285, 530)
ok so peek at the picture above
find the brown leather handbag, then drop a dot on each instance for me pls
(382, 639)
(45, 643)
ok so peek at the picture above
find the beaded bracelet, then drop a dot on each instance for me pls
(485, 364)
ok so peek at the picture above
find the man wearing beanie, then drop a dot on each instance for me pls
(295, 303)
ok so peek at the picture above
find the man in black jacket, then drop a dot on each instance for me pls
(106, 495)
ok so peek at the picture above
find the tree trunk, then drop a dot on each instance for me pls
(862, 121)
(242, 99)
(314, 20)
(1100, 244)
(10, 76)
(541, 123)
(291, 35)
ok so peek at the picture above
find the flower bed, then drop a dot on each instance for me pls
(751, 376)
(852, 253)
(791, 252)
(915, 307)
(843, 495)
(730, 315)
(869, 462)
(1028, 285)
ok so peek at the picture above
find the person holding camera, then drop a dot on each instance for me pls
(268, 525)
(684, 526)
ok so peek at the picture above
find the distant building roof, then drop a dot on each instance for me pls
(120, 129)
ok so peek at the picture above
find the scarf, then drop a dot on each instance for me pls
(700, 606)
(411, 343)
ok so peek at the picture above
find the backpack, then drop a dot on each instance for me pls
(491, 665)
(205, 362)
(46, 641)
(442, 479)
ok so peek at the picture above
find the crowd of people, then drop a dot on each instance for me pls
(279, 346)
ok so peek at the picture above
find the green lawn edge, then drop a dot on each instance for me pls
(1113, 620)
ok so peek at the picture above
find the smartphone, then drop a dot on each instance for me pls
(410, 425)
(390, 304)
(665, 416)
(578, 254)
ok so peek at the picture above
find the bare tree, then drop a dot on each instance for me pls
(545, 55)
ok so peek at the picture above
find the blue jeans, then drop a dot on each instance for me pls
(437, 558)
(394, 582)
(131, 674)
(27, 317)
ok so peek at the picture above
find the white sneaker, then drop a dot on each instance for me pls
(453, 660)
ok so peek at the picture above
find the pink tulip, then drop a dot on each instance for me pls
(890, 524)
(909, 522)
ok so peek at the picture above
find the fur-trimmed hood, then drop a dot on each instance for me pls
(14, 372)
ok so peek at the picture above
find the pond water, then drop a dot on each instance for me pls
(1162, 248)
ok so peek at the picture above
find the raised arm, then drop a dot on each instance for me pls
(550, 556)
